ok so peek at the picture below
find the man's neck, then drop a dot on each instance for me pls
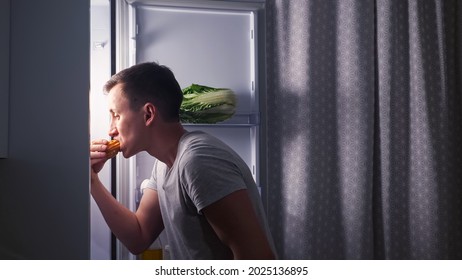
(167, 138)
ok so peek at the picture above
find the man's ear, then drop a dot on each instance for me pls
(149, 111)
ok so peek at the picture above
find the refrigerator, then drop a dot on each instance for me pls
(214, 43)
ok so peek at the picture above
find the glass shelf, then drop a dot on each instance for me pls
(252, 119)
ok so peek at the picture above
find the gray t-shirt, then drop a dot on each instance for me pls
(205, 170)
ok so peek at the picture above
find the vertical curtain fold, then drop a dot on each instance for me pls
(364, 128)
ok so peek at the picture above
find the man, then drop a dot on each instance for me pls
(200, 192)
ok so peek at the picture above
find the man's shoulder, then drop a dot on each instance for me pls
(198, 145)
(197, 140)
(196, 135)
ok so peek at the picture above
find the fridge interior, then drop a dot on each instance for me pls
(213, 43)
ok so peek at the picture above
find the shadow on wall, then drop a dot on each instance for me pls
(304, 205)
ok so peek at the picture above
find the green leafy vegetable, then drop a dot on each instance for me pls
(203, 104)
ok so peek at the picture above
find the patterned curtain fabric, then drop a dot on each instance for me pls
(364, 128)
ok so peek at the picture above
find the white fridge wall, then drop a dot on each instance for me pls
(202, 46)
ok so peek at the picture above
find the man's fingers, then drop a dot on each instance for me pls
(97, 154)
(98, 147)
(99, 142)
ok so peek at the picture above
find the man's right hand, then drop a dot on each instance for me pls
(98, 154)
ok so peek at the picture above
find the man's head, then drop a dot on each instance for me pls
(140, 98)
(150, 82)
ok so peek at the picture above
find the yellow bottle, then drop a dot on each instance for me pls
(154, 252)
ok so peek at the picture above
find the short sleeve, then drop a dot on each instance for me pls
(210, 176)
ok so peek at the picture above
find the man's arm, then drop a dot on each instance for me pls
(135, 230)
(234, 220)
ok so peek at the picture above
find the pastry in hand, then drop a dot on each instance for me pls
(113, 148)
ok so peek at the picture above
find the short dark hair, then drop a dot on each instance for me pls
(150, 82)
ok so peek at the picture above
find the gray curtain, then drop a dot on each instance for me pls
(364, 128)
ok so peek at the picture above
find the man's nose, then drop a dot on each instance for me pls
(113, 132)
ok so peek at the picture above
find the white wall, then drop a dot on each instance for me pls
(44, 196)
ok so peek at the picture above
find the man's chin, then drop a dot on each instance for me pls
(126, 154)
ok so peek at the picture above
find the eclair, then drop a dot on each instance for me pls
(113, 148)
